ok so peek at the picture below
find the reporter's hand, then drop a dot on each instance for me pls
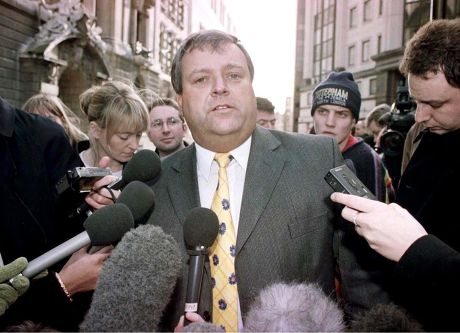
(192, 317)
(389, 229)
(82, 270)
(17, 286)
(100, 196)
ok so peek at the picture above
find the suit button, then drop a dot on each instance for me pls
(206, 316)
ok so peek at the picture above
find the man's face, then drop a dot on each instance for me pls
(360, 128)
(375, 129)
(217, 99)
(438, 103)
(335, 121)
(266, 119)
(167, 130)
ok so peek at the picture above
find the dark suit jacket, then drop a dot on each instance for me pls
(287, 229)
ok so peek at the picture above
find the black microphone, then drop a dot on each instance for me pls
(140, 199)
(136, 283)
(106, 226)
(200, 230)
(294, 307)
(144, 166)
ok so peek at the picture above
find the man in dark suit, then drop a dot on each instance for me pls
(285, 223)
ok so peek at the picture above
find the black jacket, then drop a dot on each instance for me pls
(429, 191)
(34, 154)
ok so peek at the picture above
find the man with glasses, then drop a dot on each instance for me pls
(167, 126)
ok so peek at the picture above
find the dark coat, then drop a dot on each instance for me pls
(34, 154)
(427, 275)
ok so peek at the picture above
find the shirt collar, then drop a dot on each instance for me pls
(205, 157)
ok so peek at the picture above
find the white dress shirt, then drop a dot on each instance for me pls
(208, 177)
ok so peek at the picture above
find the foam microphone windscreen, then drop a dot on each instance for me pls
(140, 200)
(200, 227)
(109, 224)
(385, 318)
(298, 307)
(136, 283)
(202, 327)
(144, 166)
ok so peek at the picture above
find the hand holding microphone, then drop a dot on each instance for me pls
(144, 166)
(106, 226)
(12, 283)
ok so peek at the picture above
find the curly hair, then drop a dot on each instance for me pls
(435, 47)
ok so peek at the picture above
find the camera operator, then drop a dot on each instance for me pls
(34, 154)
(397, 122)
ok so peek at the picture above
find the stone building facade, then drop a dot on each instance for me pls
(63, 47)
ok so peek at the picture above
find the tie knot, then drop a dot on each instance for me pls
(222, 159)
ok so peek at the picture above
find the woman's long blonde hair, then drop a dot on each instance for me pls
(41, 103)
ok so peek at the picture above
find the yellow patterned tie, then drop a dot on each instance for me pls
(222, 256)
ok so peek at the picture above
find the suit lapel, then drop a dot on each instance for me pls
(266, 158)
(183, 185)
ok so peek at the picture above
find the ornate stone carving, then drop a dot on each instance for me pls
(67, 19)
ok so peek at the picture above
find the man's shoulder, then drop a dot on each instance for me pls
(302, 138)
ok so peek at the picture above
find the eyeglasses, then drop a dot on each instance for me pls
(171, 122)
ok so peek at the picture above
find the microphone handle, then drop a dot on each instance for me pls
(195, 277)
(56, 254)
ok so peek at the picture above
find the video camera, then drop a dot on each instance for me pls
(81, 179)
(399, 120)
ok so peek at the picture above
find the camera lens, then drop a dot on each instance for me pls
(392, 143)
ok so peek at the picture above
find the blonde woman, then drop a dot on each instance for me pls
(54, 108)
(117, 117)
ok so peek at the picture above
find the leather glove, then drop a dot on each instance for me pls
(13, 283)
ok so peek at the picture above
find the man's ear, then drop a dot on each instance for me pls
(95, 130)
(179, 101)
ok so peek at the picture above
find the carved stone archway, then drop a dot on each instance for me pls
(66, 56)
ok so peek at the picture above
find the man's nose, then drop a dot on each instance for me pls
(219, 86)
(422, 113)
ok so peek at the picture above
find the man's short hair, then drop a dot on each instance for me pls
(212, 39)
(435, 47)
(168, 102)
(376, 113)
(265, 105)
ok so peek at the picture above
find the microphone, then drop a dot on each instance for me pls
(385, 318)
(136, 283)
(200, 230)
(144, 166)
(299, 307)
(106, 226)
(140, 200)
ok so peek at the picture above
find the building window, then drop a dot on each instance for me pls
(372, 87)
(353, 17)
(379, 44)
(365, 51)
(351, 55)
(380, 7)
(174, 10)
(416, 14)
(367, 10)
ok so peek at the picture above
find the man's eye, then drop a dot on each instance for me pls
(234, 76)
(200, 79)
